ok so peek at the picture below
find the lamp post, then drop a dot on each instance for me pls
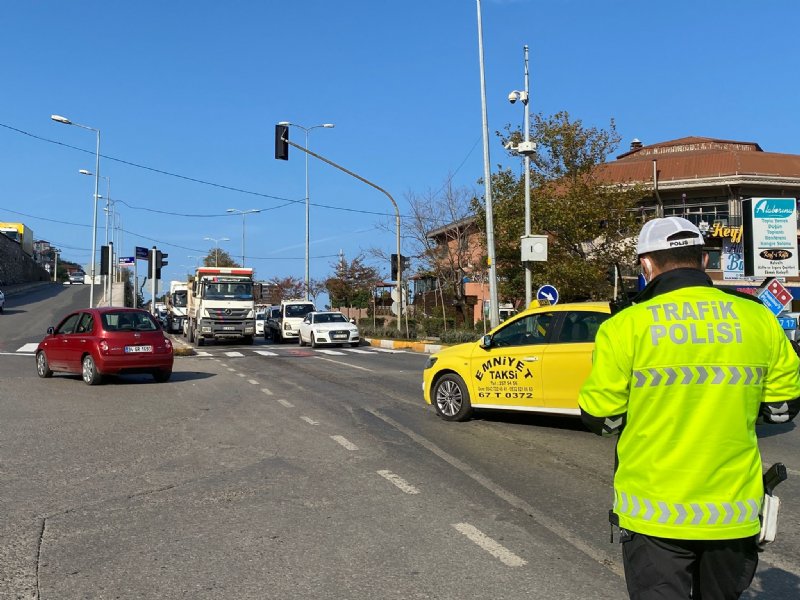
(243, 213)
(307, 130)
(107, 287)
(216, 247)
(196, 259)
(55, 268)
(65, 121)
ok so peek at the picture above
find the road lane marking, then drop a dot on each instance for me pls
(330, 352)
(399, 482)
(28, 347)
(266, 391)
(501, 553)
(344, 442)
(357, 351)
(203, 354)
(389, 351)
(310, 421)
(266, 353)
(241, 375)
(233, 353)
(231, 369)
(286, 403)
(253, 381)
(344, 364)
(26, 354)
(537, 515)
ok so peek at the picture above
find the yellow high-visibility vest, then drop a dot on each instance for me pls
(690, 368)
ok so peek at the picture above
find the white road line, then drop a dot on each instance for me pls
(344, 442)
(310, 421)
(26, 354)
(266, 353)
(203, 353)
(231, 369)
(28, 347)
(286, 403)
(399, 482)
(389, 351)
(241, 375)
(358, 351)
(344, 364)
(266, 391)
(233, 353)
(330, 352)
(538, 515)
(253, 381)
(501, 553)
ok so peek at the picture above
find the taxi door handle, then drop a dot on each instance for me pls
(530, 358)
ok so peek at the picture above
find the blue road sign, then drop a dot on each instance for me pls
(126, 260)
(142, 252)
(771, 302)
(547, 292)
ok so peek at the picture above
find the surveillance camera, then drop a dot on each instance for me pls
(513, 97)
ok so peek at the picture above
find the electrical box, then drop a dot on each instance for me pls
(533, 248)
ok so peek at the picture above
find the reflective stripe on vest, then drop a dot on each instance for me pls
(690, 514)
(713, 374)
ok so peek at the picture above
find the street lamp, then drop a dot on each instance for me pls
(65, 121)
(243, 213)
(216, 247)
(307, 130)
(107, 288)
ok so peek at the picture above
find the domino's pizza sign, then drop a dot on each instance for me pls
(770, 237)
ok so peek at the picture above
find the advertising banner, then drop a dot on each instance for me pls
(770, 237)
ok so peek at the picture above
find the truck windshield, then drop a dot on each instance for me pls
(179, 299)
(229, 291)
(298, 310)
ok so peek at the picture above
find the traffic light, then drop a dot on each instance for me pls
(104, 260)
(281, 145)
(161, 261)
(404, 264)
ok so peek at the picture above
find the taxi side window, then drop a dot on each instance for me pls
(531, 329)
(580, 326)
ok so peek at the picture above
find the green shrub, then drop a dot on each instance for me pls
(460, 336)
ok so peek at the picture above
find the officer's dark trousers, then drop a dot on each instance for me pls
(666, 569)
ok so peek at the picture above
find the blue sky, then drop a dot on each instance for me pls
(191, 90)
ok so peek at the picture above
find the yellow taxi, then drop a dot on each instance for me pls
(536, 361)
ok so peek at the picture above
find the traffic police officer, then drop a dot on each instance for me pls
(682, 376)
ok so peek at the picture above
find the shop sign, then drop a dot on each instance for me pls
(770, 237)
(718, 230)
(732, 259)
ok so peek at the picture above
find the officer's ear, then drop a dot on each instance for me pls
(705, 260)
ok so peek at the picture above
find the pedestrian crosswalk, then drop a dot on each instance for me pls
(206, 352)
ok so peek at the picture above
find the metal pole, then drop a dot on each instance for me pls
(243, 239)
(308, 284)
(527, 165)
(110, 250)
(94, 217)
(55, 269)
(487, 176)
(152, 274)
(396, 212)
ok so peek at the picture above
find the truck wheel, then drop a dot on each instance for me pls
(276, 337)
(190, 333)
(248, 340)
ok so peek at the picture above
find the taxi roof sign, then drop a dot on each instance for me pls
(540, 302)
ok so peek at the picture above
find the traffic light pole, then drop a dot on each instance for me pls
(396, 211)
(152, 274)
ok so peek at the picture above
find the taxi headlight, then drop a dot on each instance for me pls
(430, 362)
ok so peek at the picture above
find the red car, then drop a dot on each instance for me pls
(106, 341)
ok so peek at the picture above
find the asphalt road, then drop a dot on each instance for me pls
(283, 472)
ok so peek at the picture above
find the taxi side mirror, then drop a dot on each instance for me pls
(486, 341)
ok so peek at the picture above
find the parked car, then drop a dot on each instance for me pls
(536, 361)
(327, 327)
(2, 301)
(94, 342)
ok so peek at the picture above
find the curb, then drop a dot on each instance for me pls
(423, 347)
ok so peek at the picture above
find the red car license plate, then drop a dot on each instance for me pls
(138, 348)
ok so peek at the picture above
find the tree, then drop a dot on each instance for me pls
(217, 257)
(289, 288)
(352, 283)
(442, 232)
(315, 288)
(589, 222)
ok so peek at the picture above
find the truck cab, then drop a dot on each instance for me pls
(286, 325)
(221, 305)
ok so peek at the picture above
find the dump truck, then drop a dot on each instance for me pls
(220, 305)
(176, 306)
(20, 233)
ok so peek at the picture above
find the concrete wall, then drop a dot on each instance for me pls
(16, 266)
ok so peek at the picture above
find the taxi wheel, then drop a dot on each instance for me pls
(451, 398)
